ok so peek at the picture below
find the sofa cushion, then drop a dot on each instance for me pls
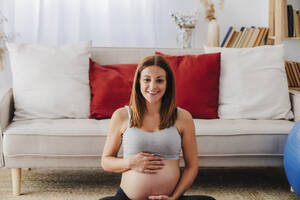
(197, 83)
(50, 81)
(253, 83)
(110, 88)
(86, 137)
(62, 137)
(220, 137)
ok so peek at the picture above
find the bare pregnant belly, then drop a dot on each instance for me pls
(139, 186)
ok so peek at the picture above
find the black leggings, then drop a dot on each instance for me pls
(120, 195)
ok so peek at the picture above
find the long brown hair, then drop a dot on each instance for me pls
(168, 111)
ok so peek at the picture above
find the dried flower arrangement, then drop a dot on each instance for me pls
(185, 20)
(210, 8)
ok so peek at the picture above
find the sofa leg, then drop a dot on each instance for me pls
(16, 181)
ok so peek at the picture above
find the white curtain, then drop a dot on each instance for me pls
(112, 23)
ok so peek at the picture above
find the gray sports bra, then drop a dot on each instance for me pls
(165, 143)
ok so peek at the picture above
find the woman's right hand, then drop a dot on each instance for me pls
(146, 163)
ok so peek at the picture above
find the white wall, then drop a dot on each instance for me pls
(236, 13)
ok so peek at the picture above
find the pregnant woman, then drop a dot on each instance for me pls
(152, 131)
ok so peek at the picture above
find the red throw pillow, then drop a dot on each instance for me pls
(110, 88)
(197, 83)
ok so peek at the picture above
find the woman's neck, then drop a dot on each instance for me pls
(153, 108)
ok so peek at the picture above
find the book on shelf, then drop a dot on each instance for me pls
(294, 71)
(259, 37)
(290, 17)
(229, 37)
(253, 38)
(297, 67)
(230, 40)
(293, 74)
(288, 75)
(293, 22)
(226, 36)
(264, 37)
(239, 33)
(245, 37)
(242, 34)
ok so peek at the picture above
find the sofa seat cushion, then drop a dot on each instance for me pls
(86, 137)
(219, 137)
(61, 137)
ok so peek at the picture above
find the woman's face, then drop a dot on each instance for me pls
(153, 83)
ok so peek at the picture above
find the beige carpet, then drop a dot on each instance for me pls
(75, 184)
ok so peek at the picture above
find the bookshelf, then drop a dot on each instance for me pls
(277, 21)
(278, 26)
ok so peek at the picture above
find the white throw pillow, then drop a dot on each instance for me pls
(253, 83)
(50, 81)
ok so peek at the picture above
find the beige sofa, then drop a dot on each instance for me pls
(79, 142)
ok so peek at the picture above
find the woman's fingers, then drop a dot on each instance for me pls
(153, 167)
(156, 163)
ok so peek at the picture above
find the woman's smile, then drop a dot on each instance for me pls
(153, 93)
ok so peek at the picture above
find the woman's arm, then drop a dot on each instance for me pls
(110, 161)
(189, 148)
(141, 162)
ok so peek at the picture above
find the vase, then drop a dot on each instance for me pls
(184, 36)
(213, 34)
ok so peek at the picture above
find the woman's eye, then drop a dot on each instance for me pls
(160, 80)
(146, 79)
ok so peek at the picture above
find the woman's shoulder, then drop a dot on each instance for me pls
(120, 114)
(183, 114)
(120, 119)
(184, 121)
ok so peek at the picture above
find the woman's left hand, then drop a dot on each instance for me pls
(160, 197)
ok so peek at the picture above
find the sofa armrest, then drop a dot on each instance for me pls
(6, 114)
(295, 100)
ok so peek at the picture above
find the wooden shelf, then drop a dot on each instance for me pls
(293, 88)
(285, 38)
(291, 38)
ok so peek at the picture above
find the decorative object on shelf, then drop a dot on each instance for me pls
(185, 24)
(291, 159)
(213, 26)
(4, 38)
(213, 30)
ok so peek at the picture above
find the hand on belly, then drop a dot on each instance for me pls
(140, 186)
(146, 163)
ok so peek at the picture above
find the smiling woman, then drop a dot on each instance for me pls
(153, 132)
